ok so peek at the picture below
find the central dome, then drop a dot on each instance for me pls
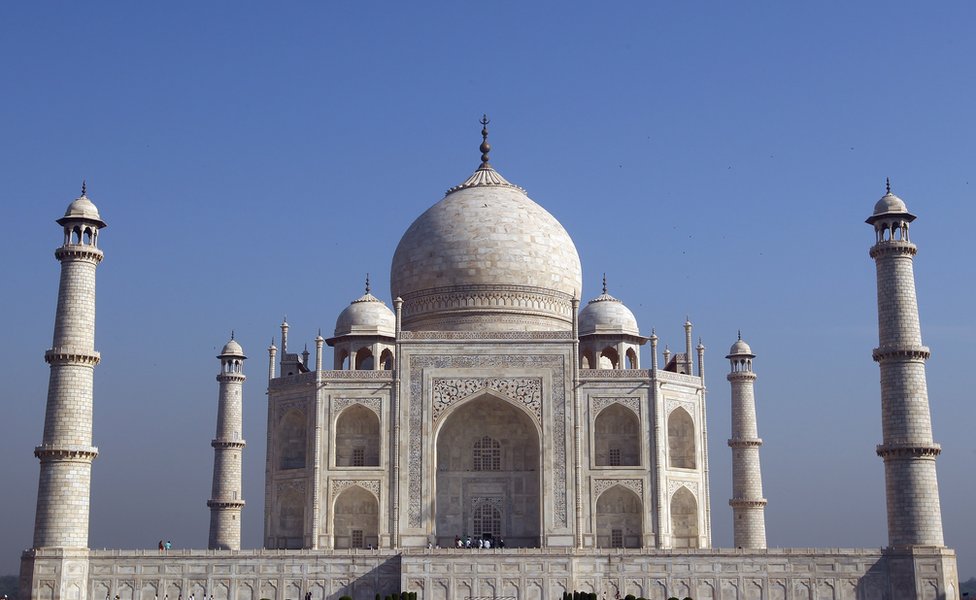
(486, 258)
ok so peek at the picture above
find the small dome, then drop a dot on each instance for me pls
(367, 315)
(82, 208)
(889, 203)
(740, 348)
(232, 348)
(607, 315)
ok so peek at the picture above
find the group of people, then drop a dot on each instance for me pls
(482, 543)
(163, 546)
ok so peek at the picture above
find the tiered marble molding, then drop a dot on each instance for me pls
(908, 451)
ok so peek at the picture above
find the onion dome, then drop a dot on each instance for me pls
(366, 315)
(82, 209)
(232, 348)
(890, 205)
(740, 348)
(486, 257)
(607, 315)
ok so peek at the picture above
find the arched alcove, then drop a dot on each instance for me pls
(291, 520)
(681, 440)
(355, 521)
(386, 359)
(616, 436)
(632, 362)
(292, 441)
(618, 518)
(684, 519)
(357, 438)
(488, 454)
(364, 359)
(609, 359)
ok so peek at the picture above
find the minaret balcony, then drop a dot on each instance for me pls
(904, 353)
(909, 450)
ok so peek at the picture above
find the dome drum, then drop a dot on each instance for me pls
(488, 308)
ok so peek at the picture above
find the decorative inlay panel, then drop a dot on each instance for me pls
(491, 500)
(291, 487)
(283, 407)
(602, 485)
(597, 404)
(415, 419)
(670, 404)
(691, 485)
(614, 374)
(486, 335)
(524, 390)
(370, 485)
(374, 404)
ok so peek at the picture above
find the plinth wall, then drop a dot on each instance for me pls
(529, 574)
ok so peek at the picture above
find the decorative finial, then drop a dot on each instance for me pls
(83, 186)
(320, 332)
(231, 334)
(604, 284)
(367, 284)
(887, 185)
(653, 332)
(740, 335)
(485, 146)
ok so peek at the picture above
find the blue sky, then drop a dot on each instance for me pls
(714, 159)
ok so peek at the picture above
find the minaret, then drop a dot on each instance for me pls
(226, 499)
(912, 491)
(66, 452)
(748, 504)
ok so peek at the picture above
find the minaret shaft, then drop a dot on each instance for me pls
(226, 499)
(66, 451)
(908, 451)
(747, 502)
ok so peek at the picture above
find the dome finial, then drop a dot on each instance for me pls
(367, 284)
(740, 334)
(231, 334)
(604, 283)
(887, 185)
(485, 146)
(83, 186)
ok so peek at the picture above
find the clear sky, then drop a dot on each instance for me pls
(714, 159)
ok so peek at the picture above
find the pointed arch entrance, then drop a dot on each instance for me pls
(488, 470)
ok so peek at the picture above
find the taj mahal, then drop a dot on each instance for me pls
(488, 402)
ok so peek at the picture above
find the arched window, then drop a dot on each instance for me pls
(487, 521)
(681, 440)
(585, 361)
(357, 438)
(616, 435)
(487, 455)
(292, 441)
